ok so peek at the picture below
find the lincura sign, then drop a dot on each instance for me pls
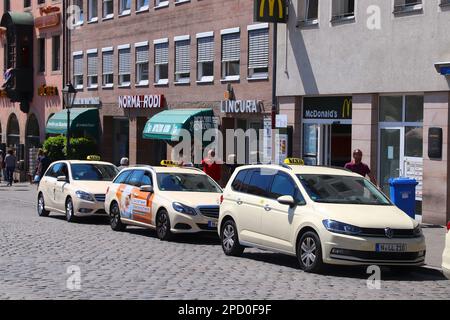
(141, 102)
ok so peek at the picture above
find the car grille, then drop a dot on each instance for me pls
(381, 233)
(211, 212)
(380, 256)
(100, 197)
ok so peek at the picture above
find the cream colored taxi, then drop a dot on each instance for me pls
(170, 199)
(446, 255)
(75, 188)
(321, 215)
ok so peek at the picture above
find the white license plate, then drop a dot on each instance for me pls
(391, 247)
(212, 224)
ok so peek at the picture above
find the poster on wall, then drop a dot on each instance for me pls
(281, 152)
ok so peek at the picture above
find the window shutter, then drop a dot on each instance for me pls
(92, 64)
(124, 61)
(78, 65)
(182, 56)
(231, 47)
(142, 54)
(108, 62)
(162, 53)
(205, 49)
(258, 51)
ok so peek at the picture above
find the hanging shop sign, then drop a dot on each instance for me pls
(88, 101)
(3, 94)
(47, 91)
(274, 11)
(241, 106)
(328, 108)
(141, 102)
(48, 21)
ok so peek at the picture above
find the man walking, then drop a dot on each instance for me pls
(359, 167)
(10, 163)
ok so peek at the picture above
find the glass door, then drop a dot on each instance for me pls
(391, 155)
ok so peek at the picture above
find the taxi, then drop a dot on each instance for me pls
(446, 254)
(320, 215)
(170, 198)
(75, 188)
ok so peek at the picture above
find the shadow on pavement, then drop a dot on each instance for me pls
(195, 238)
(94, 220)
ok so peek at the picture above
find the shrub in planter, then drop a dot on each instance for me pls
(82, 148)
(55, 147)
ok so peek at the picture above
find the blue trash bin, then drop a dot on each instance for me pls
(403, 194)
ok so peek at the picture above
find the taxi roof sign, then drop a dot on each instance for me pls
(93, 158)
(169, 163)
(294, 161)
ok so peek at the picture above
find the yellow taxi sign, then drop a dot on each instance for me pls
(169, 163)
(93, 158)
(294, 161)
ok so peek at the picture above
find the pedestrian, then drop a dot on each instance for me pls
(211, 167)
(124, 163)
(10, 164)
(36, 176)
(359, 167)
(43, 164)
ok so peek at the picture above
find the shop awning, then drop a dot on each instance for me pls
(167, 124)
(81, 119)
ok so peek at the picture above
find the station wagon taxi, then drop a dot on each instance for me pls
(169, 198)
(321, 215)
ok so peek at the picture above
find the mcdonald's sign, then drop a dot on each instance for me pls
(274, 11)
(327, 108)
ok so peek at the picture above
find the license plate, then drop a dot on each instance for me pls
(212, 224)
(391, 247)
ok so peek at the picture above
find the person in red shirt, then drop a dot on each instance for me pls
(357, 166)
(211, 167)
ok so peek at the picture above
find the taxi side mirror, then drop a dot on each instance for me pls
(287, 200)
(146, 189)
(62, 179)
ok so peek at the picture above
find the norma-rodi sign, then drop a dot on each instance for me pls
(330, 108)
(274, 11)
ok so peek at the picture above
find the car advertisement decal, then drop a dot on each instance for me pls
(135, 204)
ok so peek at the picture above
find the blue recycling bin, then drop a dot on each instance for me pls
(403, 194)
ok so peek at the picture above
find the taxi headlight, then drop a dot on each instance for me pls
(417, 231)
(179, 207)
(84, 196)
(339, 227)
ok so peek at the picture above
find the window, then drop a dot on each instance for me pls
(161, 3)
(205, 58)
(258, 53)
(142, 64)
(92, 60)
(162, 63)
(146, 179)
(108, 67)
(283, 185)
(93, 172)
(407, 5)
(238, 182)
(124, 7)
(231, 56)
(124, 66)
(401, 109)
(142, 5)
(343, 9)
(26, 3)
(108, 9)
(135, 178)
(78, 70)
(41, 48)
(122, 177)
(79, 3)
(259, 183)
(56, 53)
(93, 10)
(182, 60)
(41, 1)
(308, 11)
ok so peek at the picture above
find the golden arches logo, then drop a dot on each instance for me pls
(271, 8)
(346, 108)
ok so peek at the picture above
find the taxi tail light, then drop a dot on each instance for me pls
(221, 200)
(448, 226)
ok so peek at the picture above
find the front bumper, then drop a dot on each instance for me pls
(182, 223)
(83, 208)
(352, 250)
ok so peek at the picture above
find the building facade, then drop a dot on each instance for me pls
(370, 75)
(31, 39)
(135, 59)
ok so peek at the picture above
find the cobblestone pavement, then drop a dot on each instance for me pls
(36, 252)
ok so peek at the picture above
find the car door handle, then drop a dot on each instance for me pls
(239, 201)
(267, 207)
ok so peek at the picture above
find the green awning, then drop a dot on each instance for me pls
(167, 124)
(81, 119)
(17, 18)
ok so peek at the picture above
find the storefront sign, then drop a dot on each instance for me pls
(331, 108)
(241, 106)
(47, 91)
(145, 101)
(270, 11)
(47, 21)
(90, 101)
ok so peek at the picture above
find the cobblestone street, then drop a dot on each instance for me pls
(36, 253)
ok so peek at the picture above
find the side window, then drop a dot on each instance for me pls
(283, 185)
(146, 179)
(135, 178)
(259, 183)
(122, 177)
(52, 171)
(62, 170)
(238, 182)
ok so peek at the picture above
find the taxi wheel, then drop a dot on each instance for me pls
(116, 223)
(41, 206)
(70, 216)
(230, 239)
(309, 252)
(163, 226)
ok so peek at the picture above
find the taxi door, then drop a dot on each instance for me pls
(60, 187)
(142, 200)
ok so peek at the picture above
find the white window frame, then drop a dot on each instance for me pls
(303, 16)
(82, 13)
(139, 81)
(121, 81)
(161, 3)
(76, 77)
(90, 7)
(104, 75)
(200, 77)
(90, 84)
(122, 10)
(225, 64)
(106, 15)
(252, 75)
(158, 80)
(179, 78)
(141, 7)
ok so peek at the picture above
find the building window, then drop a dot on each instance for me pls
(124, 66)
(124, 7)
(401, 6)
(26, 3)
(41, 1)
(6, 5)
(41, 48)
(56, 53)
(142, 5)
(258, 53)
(308, 11)
(205, 59)
(108, 9)
(108, 67)
(92, 72)
(93, 10)
(231, 56)
(161, 3)
(182, 61)
(162, 63)
(79, 3)
(343, 9)
(142, 64)
(78, 70)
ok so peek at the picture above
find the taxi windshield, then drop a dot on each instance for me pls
(93, 172)
(187, 182)
(342, 190)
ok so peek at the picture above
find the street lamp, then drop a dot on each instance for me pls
(69, 93)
